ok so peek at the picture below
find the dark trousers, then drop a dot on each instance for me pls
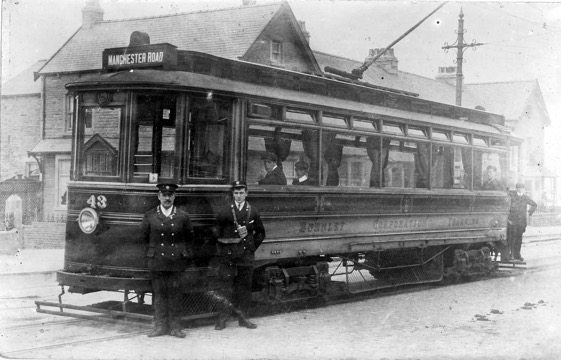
(514, 236)
(167, 296)
(242, 291)
(235, 291)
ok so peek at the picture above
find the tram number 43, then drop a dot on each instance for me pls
(99, 202)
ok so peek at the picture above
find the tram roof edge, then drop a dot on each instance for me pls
(192, 62)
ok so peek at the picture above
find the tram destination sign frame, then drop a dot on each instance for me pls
(161, 56)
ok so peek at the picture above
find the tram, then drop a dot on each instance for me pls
(396, 194)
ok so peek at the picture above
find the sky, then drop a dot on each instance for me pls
(521, 40)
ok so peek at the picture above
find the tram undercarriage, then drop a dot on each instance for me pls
(292, 283)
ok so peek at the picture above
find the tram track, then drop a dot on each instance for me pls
(23, 351)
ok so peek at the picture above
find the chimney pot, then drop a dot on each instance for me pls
(91, 13)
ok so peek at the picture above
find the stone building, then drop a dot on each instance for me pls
(20, 125)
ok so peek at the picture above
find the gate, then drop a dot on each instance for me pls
(29, 192)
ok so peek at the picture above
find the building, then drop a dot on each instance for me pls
(20, 124)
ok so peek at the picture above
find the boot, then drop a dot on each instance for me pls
(244, 322)
(220, 323)
(177, 333)
(158, 331)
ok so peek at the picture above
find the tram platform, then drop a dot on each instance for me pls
(32, 261)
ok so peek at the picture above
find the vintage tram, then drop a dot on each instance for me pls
(396, 192)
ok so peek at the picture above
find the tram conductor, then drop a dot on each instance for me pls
(168, 234)
(239, 232)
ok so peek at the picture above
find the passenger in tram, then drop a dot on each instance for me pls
(301, 174)
(239, 231)
(519, 202)
(275, 175)
(492, 183)
(168, 234)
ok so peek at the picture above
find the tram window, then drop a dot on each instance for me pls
(301, 116)
(292, 147)
(461, 138)
(345, 160)
(266, 111)
(391, 128)
(450, 167)
(440, 135)
(155, 137)
(101, 134)
(209, 131)
(416, 132)
(334, 120)
(479, 141)
(399, 168)
(368, 125)
(490, 170)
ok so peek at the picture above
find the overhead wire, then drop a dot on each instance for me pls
(541, 25)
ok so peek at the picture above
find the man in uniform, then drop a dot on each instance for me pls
(519, 202)
(168, 233)
(275, 175)
(240, 232)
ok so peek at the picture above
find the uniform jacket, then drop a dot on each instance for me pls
(226, 228)
(518, 208)
(169, 240)
(274, 177)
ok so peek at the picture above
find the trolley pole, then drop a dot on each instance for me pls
(460, 47)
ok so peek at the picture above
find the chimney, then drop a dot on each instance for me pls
(447, 74)
(304, 31)
(388, 61)
(249, 2)
(91, 13)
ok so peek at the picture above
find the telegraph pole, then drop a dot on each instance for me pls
(460, 47)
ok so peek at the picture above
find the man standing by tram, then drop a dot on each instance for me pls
(240, 231)
(519, 202)
(168, 233)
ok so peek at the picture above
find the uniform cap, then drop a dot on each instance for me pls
(270, 156)
(519, 185)
(239, 185)
(167, 187)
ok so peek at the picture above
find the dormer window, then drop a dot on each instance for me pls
(276, 51)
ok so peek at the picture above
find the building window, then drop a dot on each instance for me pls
(69, 105)
(276, 51)
(62, 178)
(32, 170)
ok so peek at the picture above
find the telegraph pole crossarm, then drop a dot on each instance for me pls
(460, 47)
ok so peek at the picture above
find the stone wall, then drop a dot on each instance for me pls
(44, 235)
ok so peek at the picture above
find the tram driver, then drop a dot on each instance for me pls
(168, 234)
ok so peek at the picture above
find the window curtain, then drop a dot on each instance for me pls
(310, 144)
(373, 151)
(278, 146)
(332, 154)
(422, 160)
(442, 167)
(468, 167)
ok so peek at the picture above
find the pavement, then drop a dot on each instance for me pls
(32, 261)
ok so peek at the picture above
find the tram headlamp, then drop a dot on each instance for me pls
(88, 220)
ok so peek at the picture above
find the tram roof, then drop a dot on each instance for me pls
(182, 80)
